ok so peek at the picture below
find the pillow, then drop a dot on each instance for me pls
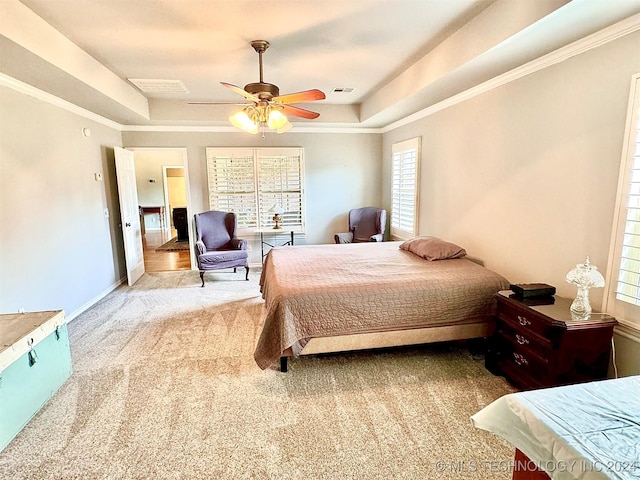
(433, 248)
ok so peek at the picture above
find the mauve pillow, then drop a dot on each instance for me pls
(433, 248)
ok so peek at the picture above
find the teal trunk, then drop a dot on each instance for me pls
(34, 375)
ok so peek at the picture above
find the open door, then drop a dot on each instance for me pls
(130, 214)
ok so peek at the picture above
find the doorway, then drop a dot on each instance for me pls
(163, 192)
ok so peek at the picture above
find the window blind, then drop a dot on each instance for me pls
(404, 188)
(622, 281)
(249, 182)
(628, 287)
(280, 183)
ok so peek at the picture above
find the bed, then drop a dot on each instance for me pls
(585, 431)
(334, 298)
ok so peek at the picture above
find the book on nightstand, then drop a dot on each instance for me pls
(532, 290)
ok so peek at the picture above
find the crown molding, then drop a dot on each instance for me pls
(595, 40)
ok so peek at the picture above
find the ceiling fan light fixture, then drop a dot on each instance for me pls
(243, 121)
(276, 120)
(266, 105)
(285, 128)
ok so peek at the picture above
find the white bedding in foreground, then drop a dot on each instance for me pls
(587, 431)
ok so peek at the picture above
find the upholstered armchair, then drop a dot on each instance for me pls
(216, 244)
(366, 224)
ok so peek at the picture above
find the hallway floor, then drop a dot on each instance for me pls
(163, 261)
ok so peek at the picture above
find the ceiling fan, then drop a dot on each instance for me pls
(265, 105)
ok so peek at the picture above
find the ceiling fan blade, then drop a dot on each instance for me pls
(306, 96)
(242, 92)
(299, 112)
(217, 103)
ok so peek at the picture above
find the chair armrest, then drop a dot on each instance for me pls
(201, 247)
(376, 238)
(346, 237)
(238, 244)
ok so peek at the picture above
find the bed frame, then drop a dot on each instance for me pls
(395, 338)
(524, 469)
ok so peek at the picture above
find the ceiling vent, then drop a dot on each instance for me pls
(343, 90)
(150, 85)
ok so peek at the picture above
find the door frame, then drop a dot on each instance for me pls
(165, 185)
(185, 165)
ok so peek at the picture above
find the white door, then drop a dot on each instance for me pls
(130, 214)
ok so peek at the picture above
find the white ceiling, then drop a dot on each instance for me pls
(400, 56)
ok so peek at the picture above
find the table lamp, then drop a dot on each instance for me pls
(277, 210)
(584, 276)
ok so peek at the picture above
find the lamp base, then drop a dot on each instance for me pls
(277, 219)
(580, 306)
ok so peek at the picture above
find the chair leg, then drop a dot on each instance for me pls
(247, 276)
(202, 277)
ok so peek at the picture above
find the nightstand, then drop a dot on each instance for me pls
(273, 234)
(538, 344)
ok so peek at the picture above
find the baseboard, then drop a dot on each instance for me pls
(628, 332)
(95, 299)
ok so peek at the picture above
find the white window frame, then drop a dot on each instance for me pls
(263, 177)
(626, 313)
(405, 186)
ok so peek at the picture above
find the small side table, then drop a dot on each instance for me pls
(538, 344)
(272, 235)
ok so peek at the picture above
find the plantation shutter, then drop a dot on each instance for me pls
(232, 186)
(404, 188)
(280, 183)
(623, 278)
(249, 182)
(628, 288)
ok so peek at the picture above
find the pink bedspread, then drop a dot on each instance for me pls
(325, 290)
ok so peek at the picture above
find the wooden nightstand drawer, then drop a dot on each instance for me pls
(538, 343)
(523, 356)
(524, 320)
(523, 336)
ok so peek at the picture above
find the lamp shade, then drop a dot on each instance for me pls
(276, 209)
(276, 120)
(285, 128)
(242, 120)
(585, 275)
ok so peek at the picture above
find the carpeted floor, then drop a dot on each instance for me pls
(173, 245)
(165, 387)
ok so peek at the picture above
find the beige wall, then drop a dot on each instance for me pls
(57, 248)
(149, 180)
(525, 176)
(342, 171)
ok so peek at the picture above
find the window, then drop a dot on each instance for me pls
(623, 277)
(404, 189)
(249, 182)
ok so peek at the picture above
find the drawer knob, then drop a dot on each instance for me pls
(520, 359)
(523, 321)
(521, 339)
